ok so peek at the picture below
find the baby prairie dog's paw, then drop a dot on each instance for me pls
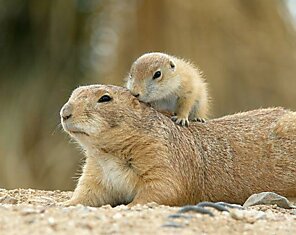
(180, 121)
(198, 119)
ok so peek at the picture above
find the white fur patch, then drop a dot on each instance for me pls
(168, 104)
(118, 177)
(129, 84)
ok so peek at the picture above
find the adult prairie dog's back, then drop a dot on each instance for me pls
(170, 84)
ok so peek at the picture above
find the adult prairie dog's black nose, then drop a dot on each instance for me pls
(66, 111)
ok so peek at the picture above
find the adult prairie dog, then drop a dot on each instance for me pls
(135, 154)
(170, 84)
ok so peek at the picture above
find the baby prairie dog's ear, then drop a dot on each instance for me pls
(172, 65)
(125, 79)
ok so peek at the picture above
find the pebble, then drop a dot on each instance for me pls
(90, 208)
(250, 216)
(51, 221)
(107, 207)
(29, 220)
(137, 207)
(8, 200)
(121, 207)
(152, 205)
(31, 210)
(42, 200)
(268, 198)
(117, 216)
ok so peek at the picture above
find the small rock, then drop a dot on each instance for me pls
(90, 208)
(117, 216)
(51, 221)
(106, 207)
(31, 210)
(271, 216)
(15, 190)
(29, 220)
(247, 227)
(66, 209)
(41, 200)
(144, 207)
(8, 200)
(121, 207)
(152, 204)
(8, 206)
(85, 225)
(115, 228)
(237, 214)
(137, 207)
(268, 198)
(247, 216)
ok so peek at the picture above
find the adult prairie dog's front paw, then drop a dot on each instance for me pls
(181, 121)
(70, 202)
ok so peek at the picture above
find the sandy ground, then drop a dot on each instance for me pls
(28, 211)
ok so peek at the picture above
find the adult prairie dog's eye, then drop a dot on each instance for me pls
(104, 98)
(157, 74)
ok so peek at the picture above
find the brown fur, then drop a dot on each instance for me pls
(180, 89)
(137, 155)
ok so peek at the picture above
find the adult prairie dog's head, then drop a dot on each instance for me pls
(151, 76)
(92, 112)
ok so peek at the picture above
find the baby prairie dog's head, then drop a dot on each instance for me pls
(93, 111)
(153, 76)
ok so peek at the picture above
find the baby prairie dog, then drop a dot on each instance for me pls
(170, 84)
(136, 155)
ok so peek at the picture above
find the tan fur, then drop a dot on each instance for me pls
(137, 155)
(181, 89)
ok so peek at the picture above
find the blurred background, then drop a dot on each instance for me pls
(247, 50)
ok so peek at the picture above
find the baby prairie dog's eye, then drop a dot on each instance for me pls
(157, 74)
(104, 98)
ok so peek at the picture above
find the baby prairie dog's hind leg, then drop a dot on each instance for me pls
(198, 114)
(184, 106)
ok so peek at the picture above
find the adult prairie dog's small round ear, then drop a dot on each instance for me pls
(172, 65)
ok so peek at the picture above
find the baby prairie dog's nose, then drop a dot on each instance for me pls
(135, 94)
(66, 111)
